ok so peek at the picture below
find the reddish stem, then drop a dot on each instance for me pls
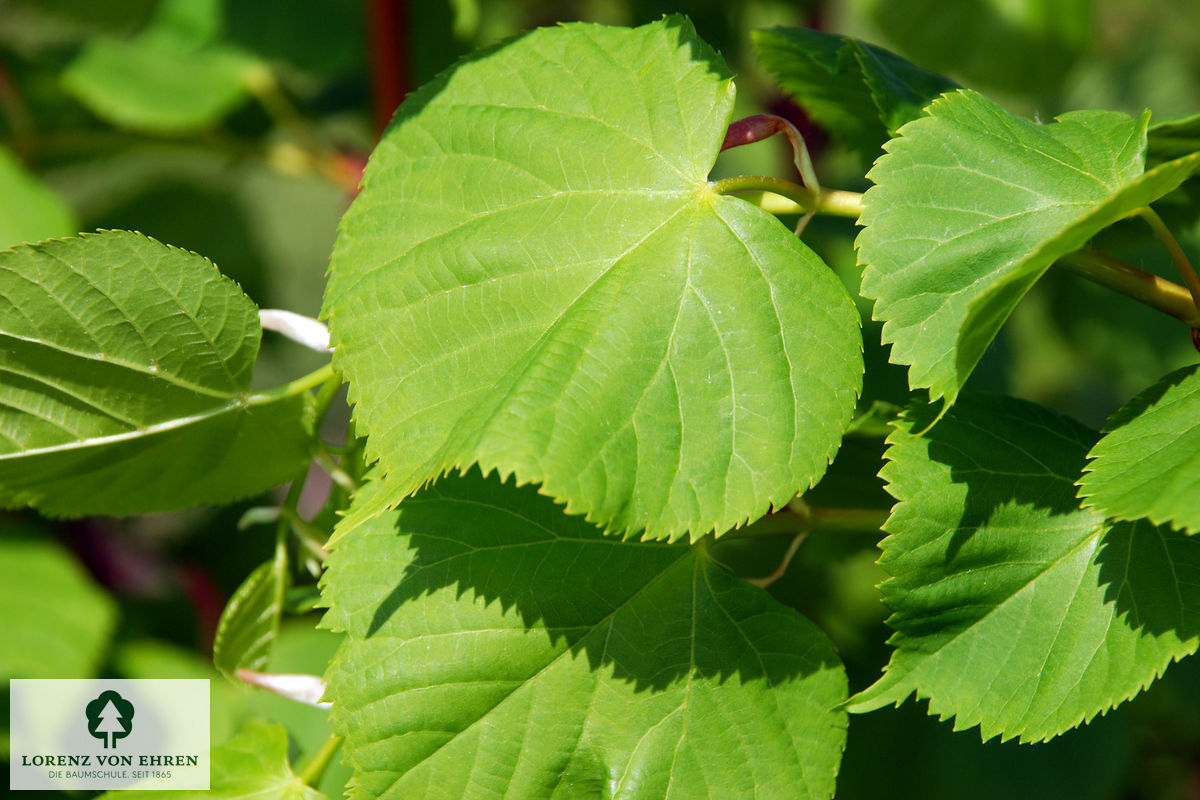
(389, 59)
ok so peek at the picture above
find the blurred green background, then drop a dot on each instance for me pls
(238, 129)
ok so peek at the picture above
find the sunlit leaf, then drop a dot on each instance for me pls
(972, 204)
(538, 277)
(497, 647)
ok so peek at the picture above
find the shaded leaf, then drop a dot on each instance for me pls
(497, 647)
(29, 210)
(1015, 610)
(64, 632)
(972, 204)
(127, 367)
(1147, 464)
(253, 764)
(538, 277)
(858, 92)
(250, 621)
(1018, 45)
(175, 76)
(1174, 138)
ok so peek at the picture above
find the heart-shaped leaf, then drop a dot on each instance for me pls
(1147, 464)
(497, 647)
(126, 370)
(539, 278)
(1015, 610)
(972, 204)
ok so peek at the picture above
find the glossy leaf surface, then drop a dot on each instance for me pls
(497, 647)
(538, 277)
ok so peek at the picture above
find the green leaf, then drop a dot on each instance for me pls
(173, 77)
(252, 765)
(858, 92)
(126, 382)
(538, 277)
(971, 206)
(496, 646)
(1016, 610)
(57, 622)
(29, 209)
(1147, 464)
(250, 621)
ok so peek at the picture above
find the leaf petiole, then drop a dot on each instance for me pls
(1158, 293)
(834, 202)
(314, 770)
(1178, 257)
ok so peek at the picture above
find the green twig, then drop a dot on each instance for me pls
(1163, 234)
(1158, 293)
(314, 770)
(833, 202)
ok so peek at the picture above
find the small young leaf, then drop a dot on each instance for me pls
(29, 210)
(497, 647)
(539, 278)
(1147, 464)
(971, 206)
(860, 93)
(171, 78)
(57, 622)
(1015, 610)
(250, 621)
(126, 382)
(253, 764)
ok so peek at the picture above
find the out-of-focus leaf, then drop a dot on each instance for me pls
(1016, 45)
(57, 622)
(173, 77)
(252, 765)
(860, 93)
(29, 210)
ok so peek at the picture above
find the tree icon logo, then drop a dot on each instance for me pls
(110, 717)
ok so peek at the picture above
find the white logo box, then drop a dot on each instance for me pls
(109, 734)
